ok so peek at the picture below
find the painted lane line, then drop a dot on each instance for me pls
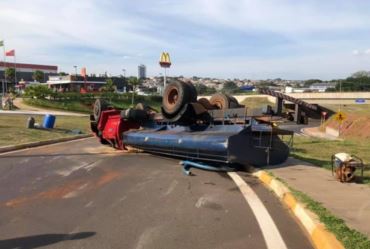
(269, 230)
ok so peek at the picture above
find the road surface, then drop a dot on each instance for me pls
(80, 194)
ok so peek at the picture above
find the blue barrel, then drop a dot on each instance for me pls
(49, 121)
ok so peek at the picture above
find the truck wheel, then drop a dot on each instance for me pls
(193, 91)
(175, 96)
(99, 106)
(221, 101)
(206, 104)
(233, 102)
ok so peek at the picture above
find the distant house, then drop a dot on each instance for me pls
(321, 86)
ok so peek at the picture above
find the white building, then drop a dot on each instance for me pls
(321, 87)
(141, 71)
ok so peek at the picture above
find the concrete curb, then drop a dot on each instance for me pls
(41, 143)
(321, 238)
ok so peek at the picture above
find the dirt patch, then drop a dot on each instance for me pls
(68, 190)
(54, 193)
(354, 126)
(108, 177)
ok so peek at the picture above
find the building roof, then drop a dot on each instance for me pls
(29, 66)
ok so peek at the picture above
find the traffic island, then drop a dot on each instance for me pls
(297, 183)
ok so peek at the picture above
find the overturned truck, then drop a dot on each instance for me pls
(216, 131)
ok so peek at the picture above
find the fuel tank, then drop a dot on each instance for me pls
(258, 145)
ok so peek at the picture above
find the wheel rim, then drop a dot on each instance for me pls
(172, 97)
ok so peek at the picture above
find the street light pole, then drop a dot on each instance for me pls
(124, 80)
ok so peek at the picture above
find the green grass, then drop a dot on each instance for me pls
(13, 129)
(256, 102)
(350, 238)
(86, 106)
(75, 106)
(318, 151)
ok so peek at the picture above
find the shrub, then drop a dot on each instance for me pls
(38, 91)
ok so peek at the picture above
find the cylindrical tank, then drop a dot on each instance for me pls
(49, 121)
(226, 144)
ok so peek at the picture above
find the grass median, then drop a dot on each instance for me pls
(13, 129)
(318, 151)
(350, 238)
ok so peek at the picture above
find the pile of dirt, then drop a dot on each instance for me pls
(355, 125)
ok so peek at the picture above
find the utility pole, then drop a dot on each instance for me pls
(124, 80)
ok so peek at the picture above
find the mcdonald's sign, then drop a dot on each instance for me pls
(165, 60)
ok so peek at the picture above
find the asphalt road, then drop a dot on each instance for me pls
(80, 194)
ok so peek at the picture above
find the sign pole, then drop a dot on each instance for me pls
(15, 70)
(4, 81)
(164, 78)
(165, 62)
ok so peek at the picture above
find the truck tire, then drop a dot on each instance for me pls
(193, 91)
(233, 102)
(100, 105)
(176, 95)
(206, 104)
(221, 101)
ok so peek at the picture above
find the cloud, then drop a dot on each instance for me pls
(361, 52)
(201, 35)
(281, 16)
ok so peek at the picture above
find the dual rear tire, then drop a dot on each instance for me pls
(176, 96)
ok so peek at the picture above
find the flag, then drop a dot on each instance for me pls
(1, 43)
(10, 53)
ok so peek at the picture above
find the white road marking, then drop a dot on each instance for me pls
(269, 230)
(171, 188)
(89, 204)
(201, 201)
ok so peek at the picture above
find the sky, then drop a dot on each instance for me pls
(247, 39)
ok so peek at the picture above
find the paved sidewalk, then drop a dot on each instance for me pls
(349, 201)
(32, 110)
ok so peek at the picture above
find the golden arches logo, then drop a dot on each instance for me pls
(165, 60)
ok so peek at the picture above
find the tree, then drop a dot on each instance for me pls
(38, 76)
(354, 84)
(38, 91)
(204, 90)
(62, 73)
(230, 87)
(133, 82)
(10, 74)
(109, 86)
(360, 74)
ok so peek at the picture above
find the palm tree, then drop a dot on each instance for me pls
(10, 74)
(109, 86)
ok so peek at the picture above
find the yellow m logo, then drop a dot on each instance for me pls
(165, 60)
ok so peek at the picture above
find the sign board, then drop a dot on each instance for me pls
(165, 60)
(360, 101)
(340, 116)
